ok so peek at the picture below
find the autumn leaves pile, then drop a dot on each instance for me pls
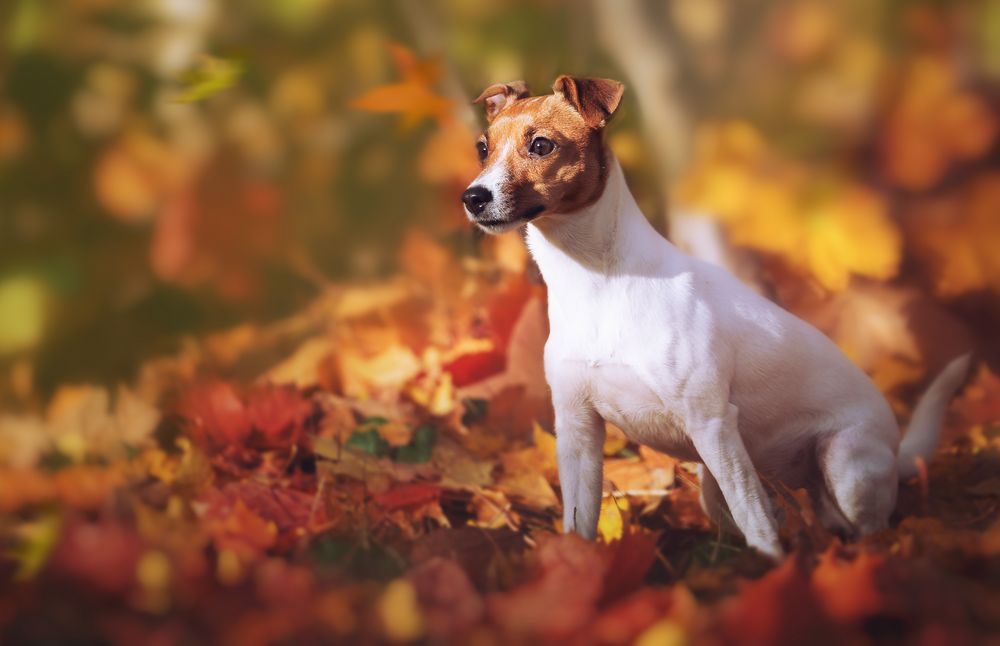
(381, 466)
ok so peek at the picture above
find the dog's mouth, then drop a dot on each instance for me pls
(500, 225)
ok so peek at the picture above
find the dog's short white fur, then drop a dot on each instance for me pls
(687, 360)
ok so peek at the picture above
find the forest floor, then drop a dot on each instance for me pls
(381, 468)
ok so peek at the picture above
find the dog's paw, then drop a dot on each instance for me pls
(770, 548)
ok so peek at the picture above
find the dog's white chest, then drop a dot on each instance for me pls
(620, 395)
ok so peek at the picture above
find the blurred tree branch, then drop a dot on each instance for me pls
(652, 68)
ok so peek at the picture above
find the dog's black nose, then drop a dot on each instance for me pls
(476, 199)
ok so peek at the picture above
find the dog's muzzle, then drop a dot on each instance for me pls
(476, 199)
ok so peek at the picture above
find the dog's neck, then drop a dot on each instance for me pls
(608, 238)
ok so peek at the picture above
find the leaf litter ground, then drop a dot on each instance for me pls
(381, 468)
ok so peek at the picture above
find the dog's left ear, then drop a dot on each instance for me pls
(499, 95)
(595, 99)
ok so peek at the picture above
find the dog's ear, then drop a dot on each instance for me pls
(595, 99)
(499, 95)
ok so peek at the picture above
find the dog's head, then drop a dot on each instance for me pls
(541, 155)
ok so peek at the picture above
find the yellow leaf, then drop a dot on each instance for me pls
(36, 539)
(394, 432)
(665, 632)
(821, 225)
(614, 439)
(211, 76)
(545, 443)
(23, 303)
(153, 570)
(852, 234)
(610, 523)
(387, 370)
(400, 613)
(957, 236)
(459, 468)
(529, 487)
(304, 367)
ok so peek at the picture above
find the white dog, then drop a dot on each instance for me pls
(676, 352)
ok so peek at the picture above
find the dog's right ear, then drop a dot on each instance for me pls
(500, 95)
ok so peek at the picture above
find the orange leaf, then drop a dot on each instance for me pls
(563, 595)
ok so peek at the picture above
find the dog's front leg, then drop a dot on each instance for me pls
(721, 448)
(579, 449)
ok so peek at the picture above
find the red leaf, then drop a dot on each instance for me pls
(269, 417)
(450, 603)
(288, 509)
(103, 555)
(625, 620)
(629, 559)
(408, 495)
(277, 413)
(562, 598)
(216, 415)
(505, 308)
(779, 608)
(470, 368)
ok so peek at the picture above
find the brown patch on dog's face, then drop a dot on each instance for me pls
(541, 155)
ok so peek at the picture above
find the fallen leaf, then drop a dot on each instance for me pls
(402, 619)
(450, 604)
(561, 597)
(610, 522)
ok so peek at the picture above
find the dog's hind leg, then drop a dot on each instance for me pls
(860, 476)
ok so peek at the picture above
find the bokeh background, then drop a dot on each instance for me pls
(173, 167)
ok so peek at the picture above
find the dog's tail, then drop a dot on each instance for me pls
(925, 427)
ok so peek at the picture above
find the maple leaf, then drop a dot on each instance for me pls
(413, 98)
(277, 413)
(267, 417)
(215, 413)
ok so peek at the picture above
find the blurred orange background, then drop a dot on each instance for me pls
(173, 167)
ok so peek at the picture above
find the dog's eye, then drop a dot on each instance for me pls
(481, 150)
(541, 146)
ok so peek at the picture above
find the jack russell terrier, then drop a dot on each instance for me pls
(674, 351)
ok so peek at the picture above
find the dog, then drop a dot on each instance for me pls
(675, 351)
